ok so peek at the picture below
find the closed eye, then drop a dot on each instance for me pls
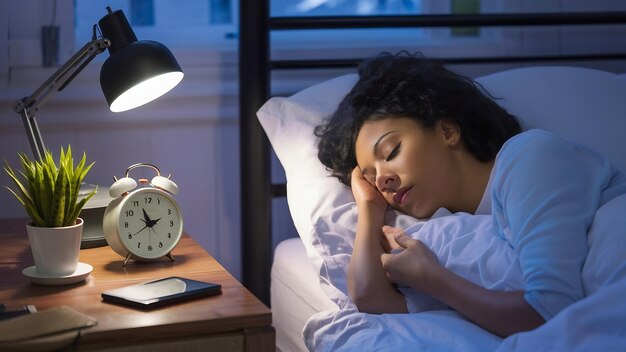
(394, 152)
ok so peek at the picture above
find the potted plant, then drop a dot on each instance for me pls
(49, 193)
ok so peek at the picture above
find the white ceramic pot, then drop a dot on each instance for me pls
(55, 249)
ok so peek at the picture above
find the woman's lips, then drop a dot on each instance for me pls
(401, 195)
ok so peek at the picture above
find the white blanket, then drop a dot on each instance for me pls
(598, 322)
(466, 245)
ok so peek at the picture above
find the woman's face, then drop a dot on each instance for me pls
(413, 167)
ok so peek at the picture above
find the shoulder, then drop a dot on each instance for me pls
(537, 147)
(535, 140)
(536, 155)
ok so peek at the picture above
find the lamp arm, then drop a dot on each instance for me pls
(28, 106)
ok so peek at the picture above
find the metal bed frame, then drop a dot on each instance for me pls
(255, 66)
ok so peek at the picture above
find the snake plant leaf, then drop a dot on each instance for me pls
(58, 199)
(38, 191)
(81, 203)
(49, 191)
(24, 198)
(74, 182)
(16, 196)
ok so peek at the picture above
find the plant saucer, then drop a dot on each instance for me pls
(82, 271)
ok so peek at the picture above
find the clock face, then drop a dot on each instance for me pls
(149, 223)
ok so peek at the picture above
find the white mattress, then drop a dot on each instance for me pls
(295, 294)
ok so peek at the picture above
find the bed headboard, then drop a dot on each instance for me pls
(256, 65)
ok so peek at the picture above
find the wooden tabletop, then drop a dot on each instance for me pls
(235, 309)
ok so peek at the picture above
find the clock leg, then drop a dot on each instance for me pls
(169, 255)
(126, 259)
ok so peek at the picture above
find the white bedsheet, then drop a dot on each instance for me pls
(596, 323)
(295, 294)
(349, 330)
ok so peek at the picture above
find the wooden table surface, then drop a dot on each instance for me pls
(235, 309)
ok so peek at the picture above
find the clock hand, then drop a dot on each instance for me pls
(151, 225)
(149, 222)
(145, 216)
(143, 228)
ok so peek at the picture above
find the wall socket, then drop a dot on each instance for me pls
(50, 45)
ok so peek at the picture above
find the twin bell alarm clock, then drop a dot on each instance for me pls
(143, 223)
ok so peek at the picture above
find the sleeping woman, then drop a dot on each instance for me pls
(417, 137)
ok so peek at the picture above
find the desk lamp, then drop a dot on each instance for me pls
(135, 73)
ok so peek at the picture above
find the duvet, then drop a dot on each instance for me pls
(597, 322)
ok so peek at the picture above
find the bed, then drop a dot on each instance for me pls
(307, 273)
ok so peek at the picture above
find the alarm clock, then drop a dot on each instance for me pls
(143, 223)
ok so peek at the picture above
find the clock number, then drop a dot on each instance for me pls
(169, 211)
(130, 237)
(129, 213)
(126, 224)
(171, 223)
(158, 201)
(169, 235)
(138, 244)
(150, 248)
(135, 203)
(160, 244)
(148, 200)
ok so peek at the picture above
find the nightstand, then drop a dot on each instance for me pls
(233, 321)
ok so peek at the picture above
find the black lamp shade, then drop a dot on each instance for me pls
(137, 72)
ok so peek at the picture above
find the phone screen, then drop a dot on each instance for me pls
(161, 292)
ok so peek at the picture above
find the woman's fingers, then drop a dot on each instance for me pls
(412, 264)
(364, 193)
(403, 240)
(389, 238)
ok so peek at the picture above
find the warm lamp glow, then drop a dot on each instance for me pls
(146, 91)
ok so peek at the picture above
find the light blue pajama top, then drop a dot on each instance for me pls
(544, 193)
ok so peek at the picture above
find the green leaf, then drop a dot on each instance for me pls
(49, 193)
(20, 186)
(58, 202)
(19, 199)
(82, 202)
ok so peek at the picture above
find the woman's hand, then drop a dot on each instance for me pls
(364, 193)
(414, 266)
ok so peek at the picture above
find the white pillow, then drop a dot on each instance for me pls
(312, 195)
(584, 105)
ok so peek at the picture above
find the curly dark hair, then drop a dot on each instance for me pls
(406, 85)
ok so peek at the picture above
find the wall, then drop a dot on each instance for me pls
(192, 132)
(192, 136)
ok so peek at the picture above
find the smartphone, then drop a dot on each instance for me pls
(161, 292)
(8, 312)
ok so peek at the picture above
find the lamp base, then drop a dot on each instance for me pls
(92, 215)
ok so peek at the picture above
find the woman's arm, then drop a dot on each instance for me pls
(502, 313)
(368, 285)
(545, 194)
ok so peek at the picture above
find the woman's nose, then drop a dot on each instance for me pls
(386, 181)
